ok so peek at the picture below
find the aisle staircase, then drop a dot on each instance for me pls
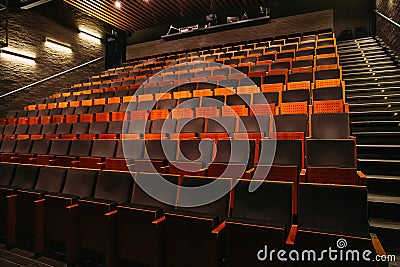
(372, 75)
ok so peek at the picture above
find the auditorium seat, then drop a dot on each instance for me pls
(94, 213)
(193, 157)
(193, 229)
(328, 78)
(6, 178)
(30, 206)
(346, 204)
(233, 159)
(189, 128)
(281, 160)
(39, 147)
(300, 80)
(296, 96)
(156, 156)
(302, 66)
(57, 148)
(329, 93)
(142, 220)
(333, 161)
(7, 149)
(266, 98)
(60, 212)
(330, 126)
(161, 129)
(79, 148)
(219, 128)
(291, 124)
(274, 83)
(25, 177)
(265, 213)
(253, 127)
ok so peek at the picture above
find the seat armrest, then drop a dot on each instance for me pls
(303, 175)
(362, 178)
(40, 201)
(292, 235)
(379, 250)
(219, 228)
(164, 169)
(250, 171)
(102, 165)
(159, 221)
(72, 207)
(111, 213)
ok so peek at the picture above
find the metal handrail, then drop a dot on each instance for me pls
(387, 18)
(52, 77)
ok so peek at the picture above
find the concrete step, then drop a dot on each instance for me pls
(375, 126)
(384, 184)
(373, 151)
(377, 137)
(379, 166)
(388, 233)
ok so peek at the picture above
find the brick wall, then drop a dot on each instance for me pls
(384, 29)
(27, 33)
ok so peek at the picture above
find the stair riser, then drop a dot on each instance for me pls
(388, 237)
(357, 118)
(369, 75)
(380, 168)
(378, 153)
(371, 64)
(374, 128)
(383, 107)
(358, 59)
(377, 99)
(372, 91)
(368, 49)
(388, 211)
(384, 186)
(390, 67)
(372, 80)
(378, 140)
(375, 85)
(357, 55)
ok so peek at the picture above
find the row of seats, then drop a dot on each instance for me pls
(261, 48)
(111, 213)
(151, 61)
(255, 66)
(327, 125)
(296, 102)
(276, 84)
(210, 80)
(242, 155)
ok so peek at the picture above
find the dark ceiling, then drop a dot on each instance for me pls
(143, 14)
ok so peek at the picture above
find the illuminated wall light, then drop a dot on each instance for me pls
(59, 46)
(12, 54)
(118, 4)
(90, 36)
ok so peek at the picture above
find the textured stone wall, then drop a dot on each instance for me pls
(27, 33)
(384, 29)
(280, 26)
